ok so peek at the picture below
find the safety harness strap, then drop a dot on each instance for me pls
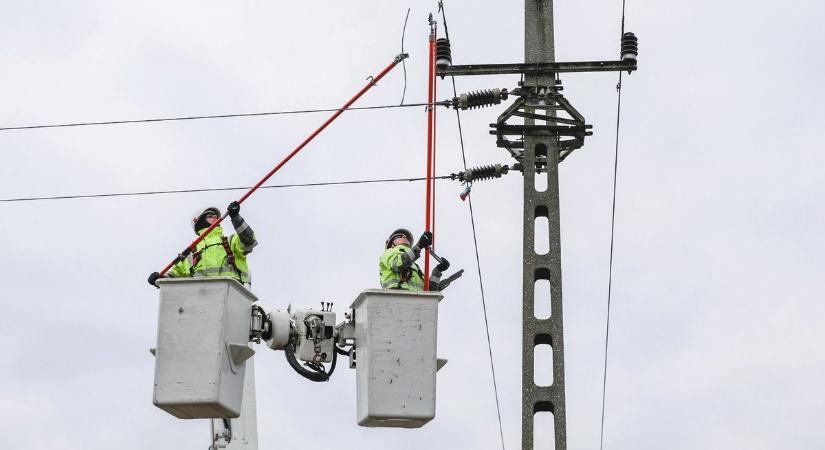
(406, 276)
(196, 257)
(230, 257)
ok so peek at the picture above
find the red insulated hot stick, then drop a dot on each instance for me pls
(373, 81)
(430, 125)
(432, 166)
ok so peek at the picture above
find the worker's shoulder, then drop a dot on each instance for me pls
(390, 252)
(396, 250)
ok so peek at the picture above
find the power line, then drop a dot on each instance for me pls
(612, 232)
(187, 191)
(475, 244)
(404, 63)
(218, 116)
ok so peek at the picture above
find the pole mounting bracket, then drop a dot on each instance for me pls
(530, 103)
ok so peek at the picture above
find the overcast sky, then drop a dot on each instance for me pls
(716, 338)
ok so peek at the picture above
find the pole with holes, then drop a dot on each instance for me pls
(539, 48)
(547, 139)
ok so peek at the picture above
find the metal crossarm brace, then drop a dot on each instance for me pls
(553, 101)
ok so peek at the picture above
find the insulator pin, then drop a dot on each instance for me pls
(443, 54)
(480, 99)
(630, 47)
(483, 173)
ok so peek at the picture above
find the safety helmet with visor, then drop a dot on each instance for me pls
(199, 221)
(396, 234)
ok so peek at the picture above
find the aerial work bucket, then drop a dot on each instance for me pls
(395, 344)
(202, 347)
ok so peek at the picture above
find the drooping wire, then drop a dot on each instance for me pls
(444, 19)
(188, 191)
(475, 244)
(612, 231)
(220, 116)
(404, 63)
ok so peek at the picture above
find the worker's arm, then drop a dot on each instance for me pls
(400, 258)
(180, 269)
(435, 278)
(435, 275)
(242, 229)
(438, 284)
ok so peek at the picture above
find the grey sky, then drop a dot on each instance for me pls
(716, 340)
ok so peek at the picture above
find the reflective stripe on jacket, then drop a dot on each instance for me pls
(214, 261)
(390, 267)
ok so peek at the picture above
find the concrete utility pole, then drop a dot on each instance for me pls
(552, 129)
(539, 48)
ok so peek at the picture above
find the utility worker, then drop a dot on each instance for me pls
(217, 255)
(397, 267)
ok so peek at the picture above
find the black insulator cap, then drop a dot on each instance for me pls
(443, 55)
(630, 46)
(442, 49)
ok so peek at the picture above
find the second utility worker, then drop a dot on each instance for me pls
(397, 266)
(217, 255)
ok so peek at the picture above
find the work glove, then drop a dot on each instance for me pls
(443, 265)
(425, 240)
(153, 277)
(234, 209)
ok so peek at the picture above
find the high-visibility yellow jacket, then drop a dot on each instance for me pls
(210, 258)
(398, 270)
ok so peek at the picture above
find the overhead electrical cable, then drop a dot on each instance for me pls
(475, 244)
(188, 191)
(404, 63)
(612, 231)
(222, 116)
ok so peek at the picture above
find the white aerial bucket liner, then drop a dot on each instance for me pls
(395, 348)
(203, 336)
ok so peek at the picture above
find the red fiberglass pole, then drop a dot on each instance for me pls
(435, 128)
(182, 255)
(430, 132)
